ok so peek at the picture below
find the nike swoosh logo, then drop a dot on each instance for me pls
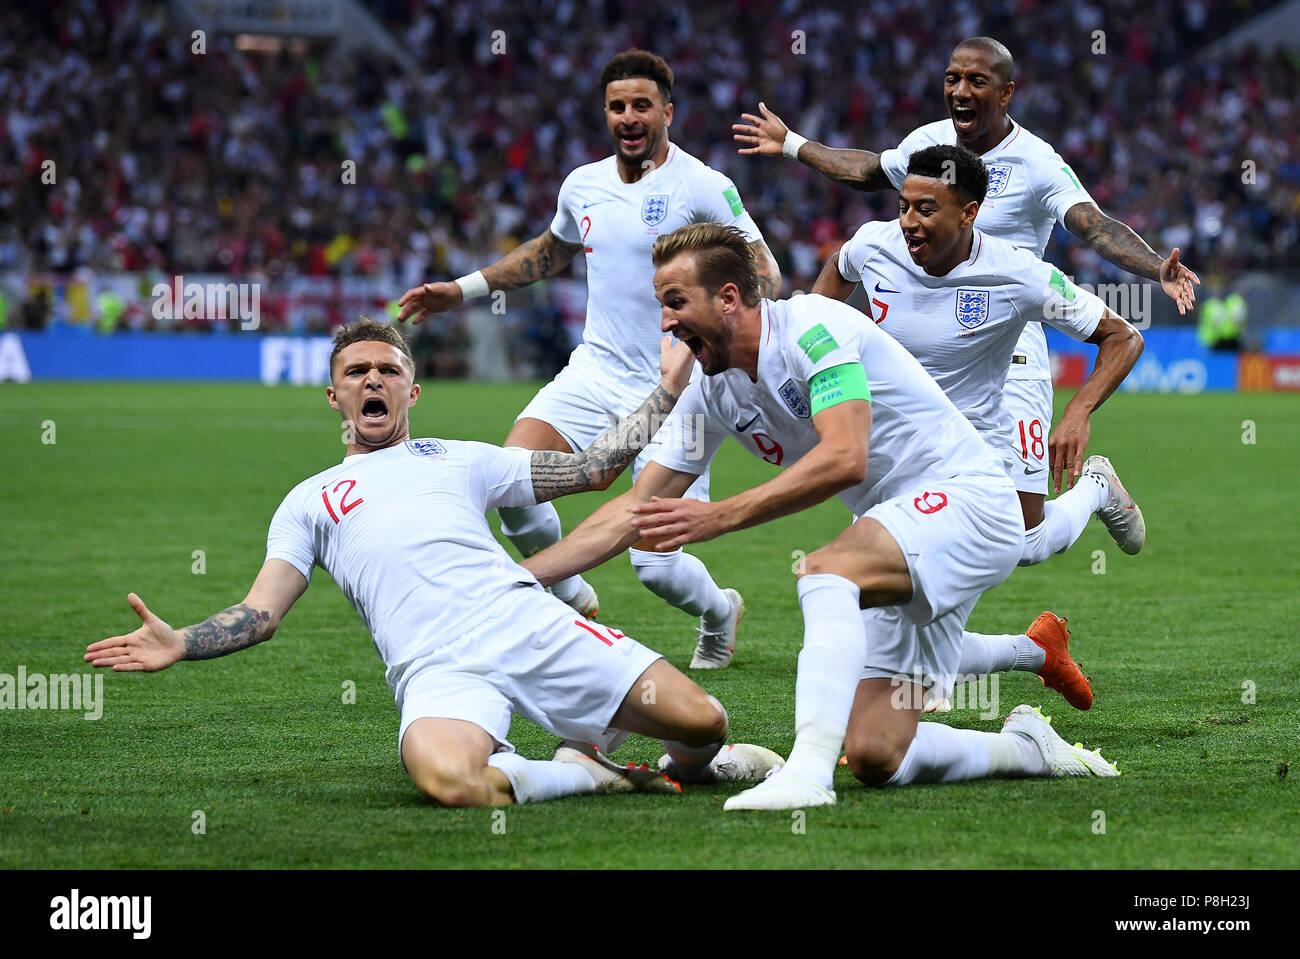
(597, 203)
(1029, 472)
(879, 290)
(741, 429)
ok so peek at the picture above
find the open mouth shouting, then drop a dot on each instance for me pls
(964, 117)
(916, 244)
(374, 411)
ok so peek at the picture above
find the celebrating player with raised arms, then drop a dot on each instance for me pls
(468, 637)
(958, 300)
(1031, 188)
(846, 410)
(613, 210)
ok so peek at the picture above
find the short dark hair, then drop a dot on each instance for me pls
(639, 64)
(722, 255)
(1000, 60)
(959, 168)
(365, 329)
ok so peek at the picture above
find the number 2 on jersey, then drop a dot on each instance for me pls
(1033, 442)
(586, 228)
(344, 506)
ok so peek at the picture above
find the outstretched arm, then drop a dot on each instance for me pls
(155, 645)
(1118, 244)
(596, 467)
(838, 461)
(608, 531)
(766, 136)
(542, 256)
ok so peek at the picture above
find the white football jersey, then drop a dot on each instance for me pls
(917, 434)
(964, 326)
(1030, 189)
(402, 532)
(617, 223)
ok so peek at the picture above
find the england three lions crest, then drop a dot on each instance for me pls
(654, 208)
(426, 447)
(972, 308)
(999, 176)
(794, 399)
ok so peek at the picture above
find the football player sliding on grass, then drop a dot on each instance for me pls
(467, 636)
(810, 385)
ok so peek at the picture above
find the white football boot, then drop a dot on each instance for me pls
(1059, 757)
(782, 789)
(1120, 513)
(734, 763)
(714, 648)
(610, 776)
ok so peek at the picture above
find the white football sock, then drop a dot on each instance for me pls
(1064, 519)
(984, 653)
(532, 529)
(945, 754)
(537, 780)
(685, 755)
(681, 580)
(830, 668)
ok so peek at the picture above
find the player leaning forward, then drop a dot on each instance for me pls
(468, 637)
(847, 411)
(613, 210)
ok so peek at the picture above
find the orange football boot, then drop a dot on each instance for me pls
(1059, 671)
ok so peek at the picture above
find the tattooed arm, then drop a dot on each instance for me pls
(1118, 244)
(595, 468)
(769, 273)
(155, 645)
(542, 256)
(765, 136)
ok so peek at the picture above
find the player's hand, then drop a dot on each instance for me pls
(152, 647)
(676, 362)
(1066, 446)
(1177, 281)
(763, 135)
(676, 522)
(422, 301)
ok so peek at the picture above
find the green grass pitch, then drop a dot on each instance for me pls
(287, 774)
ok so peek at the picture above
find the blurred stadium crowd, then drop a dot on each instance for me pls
(230, 161)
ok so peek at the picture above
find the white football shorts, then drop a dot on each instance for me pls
(1028, 403)
(537, 658)
(961, 537)
(585, 399)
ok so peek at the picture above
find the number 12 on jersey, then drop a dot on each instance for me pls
(345, 506)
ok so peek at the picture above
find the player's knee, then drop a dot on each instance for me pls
(702, 721)
(448, 788)
(874, 760)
